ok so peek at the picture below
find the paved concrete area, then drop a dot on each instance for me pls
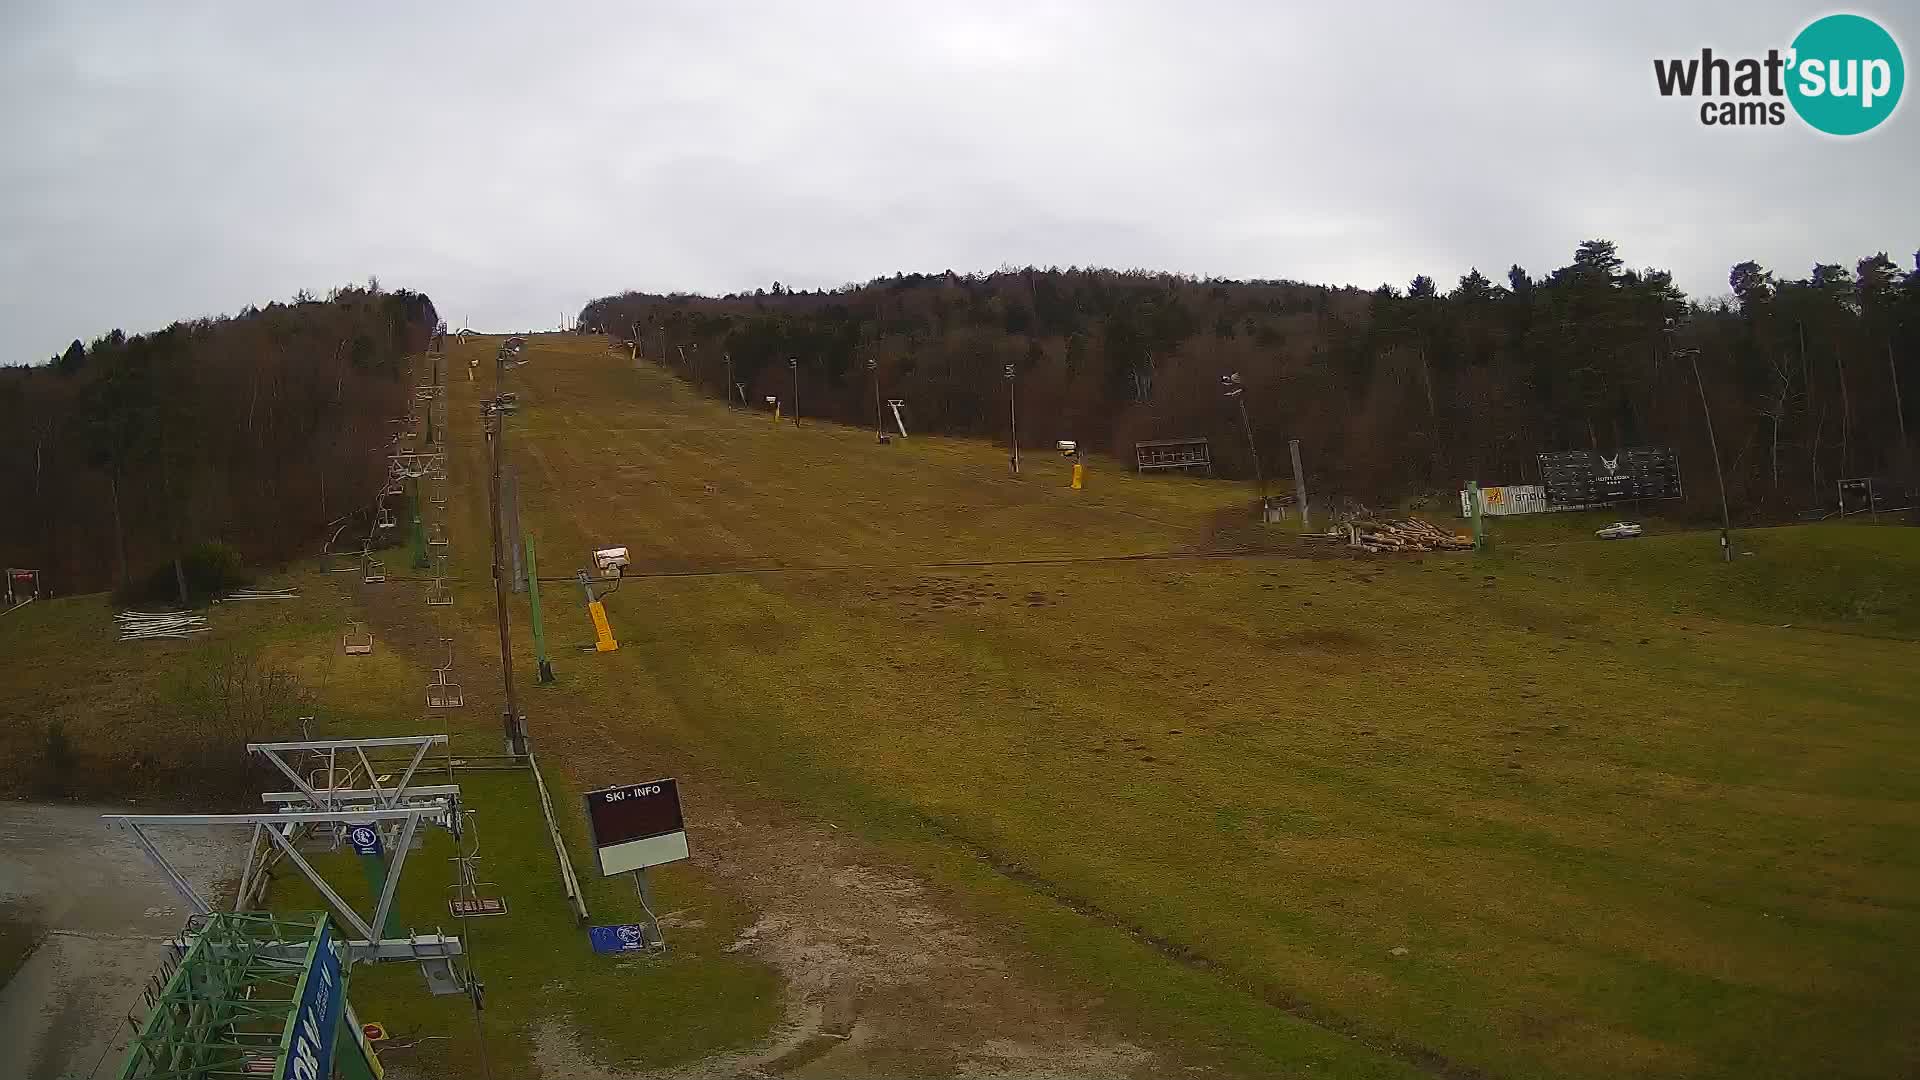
(98, 911)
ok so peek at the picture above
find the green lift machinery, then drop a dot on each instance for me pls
(252, 994)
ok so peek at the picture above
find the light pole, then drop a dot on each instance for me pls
(1713, 444)
(727, 390)
(793, 363)
(1013, 425)
(873, 368)
(1231, 385)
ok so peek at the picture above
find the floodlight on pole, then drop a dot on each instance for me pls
(793, 364)
(873, 369)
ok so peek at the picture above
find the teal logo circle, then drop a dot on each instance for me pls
(1846, 76)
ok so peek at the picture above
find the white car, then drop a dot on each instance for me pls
(1620, 530)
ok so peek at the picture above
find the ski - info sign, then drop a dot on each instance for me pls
(636, 826)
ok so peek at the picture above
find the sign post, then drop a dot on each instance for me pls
(635, 826)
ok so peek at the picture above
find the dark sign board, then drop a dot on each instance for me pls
(365, 839)
(637, 825)
(1583, 477)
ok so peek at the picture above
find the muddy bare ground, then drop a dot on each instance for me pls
(95, 913)
(882, 979)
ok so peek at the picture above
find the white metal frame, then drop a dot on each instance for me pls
(280, 829)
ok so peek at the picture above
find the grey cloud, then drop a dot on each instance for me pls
(167, 161)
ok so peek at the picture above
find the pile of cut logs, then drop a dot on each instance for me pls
(1412, 534)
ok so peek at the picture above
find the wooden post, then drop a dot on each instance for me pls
(1299, 481)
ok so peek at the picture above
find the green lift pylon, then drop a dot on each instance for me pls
(252, 994)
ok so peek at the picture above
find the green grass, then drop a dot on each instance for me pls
(129, 709)
(1620, 819)
(1837, 575)
(538, 968)
(124, 703)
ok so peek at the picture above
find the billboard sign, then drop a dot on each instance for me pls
(309, 1040)
(636, 826)
(1502, 500)
(1588, 476)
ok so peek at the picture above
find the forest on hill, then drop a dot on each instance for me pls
(1392, 392)
(253, 430)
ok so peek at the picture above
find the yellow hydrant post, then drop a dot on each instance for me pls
(1078, 473)
(602, 633)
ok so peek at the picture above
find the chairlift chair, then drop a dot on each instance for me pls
(437, 534)
(383, 518)
(443, 692)
(439, 594)
(373, 571)
(357, 641)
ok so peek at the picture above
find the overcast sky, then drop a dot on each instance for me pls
(164, 161)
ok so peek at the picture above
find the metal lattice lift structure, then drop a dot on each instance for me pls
(248, 995)
(443, 692)
(336, 767)
(409, 465)
(434, 952)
